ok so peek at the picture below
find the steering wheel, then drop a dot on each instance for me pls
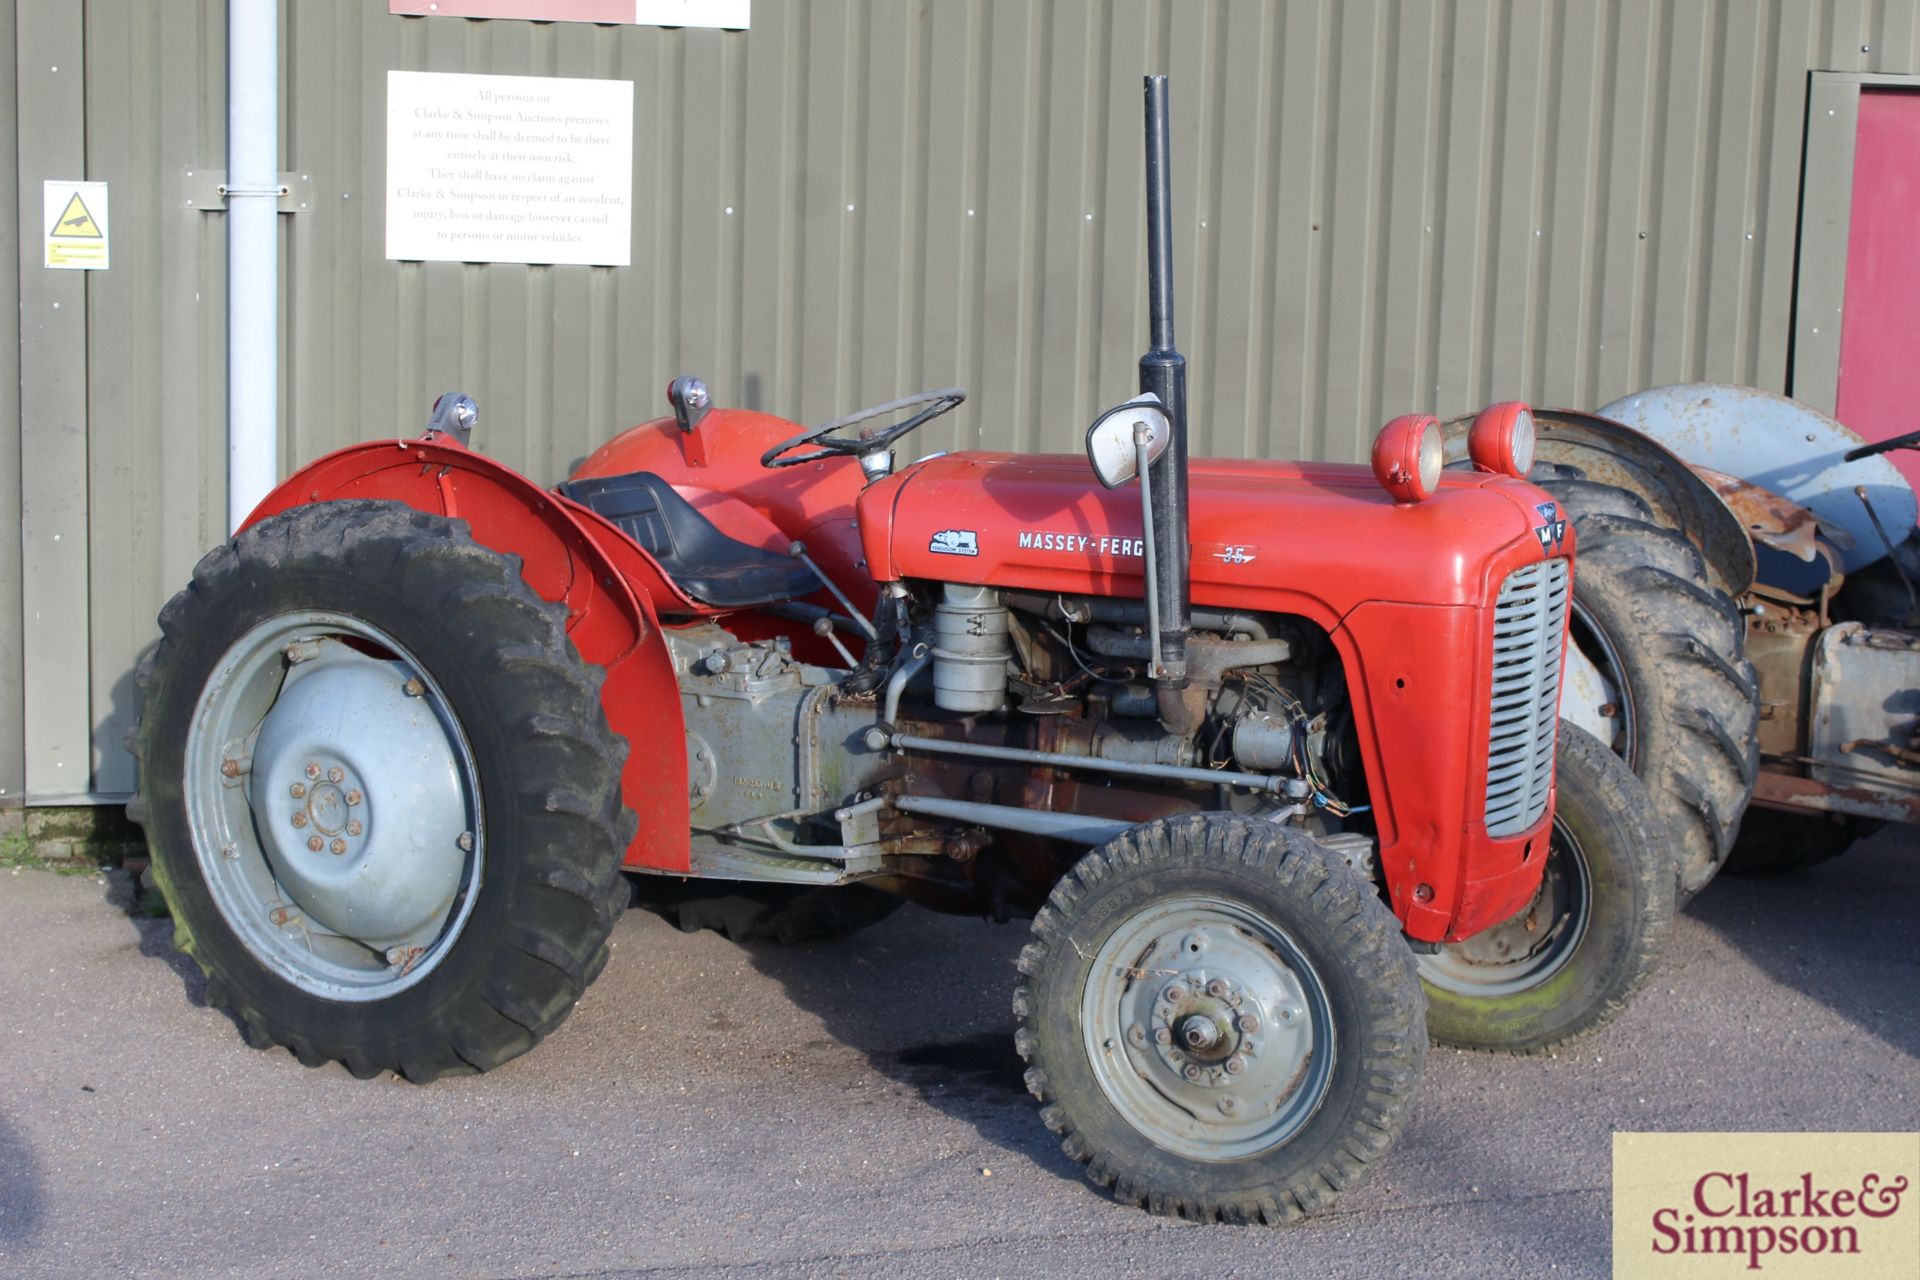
(1907, 441)
(834, 446)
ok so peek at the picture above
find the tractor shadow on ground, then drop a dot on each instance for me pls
(926, 1000)
(20, 1180)
(155, 932)
(1842, 933)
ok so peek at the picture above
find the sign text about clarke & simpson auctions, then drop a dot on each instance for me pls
(529, 169)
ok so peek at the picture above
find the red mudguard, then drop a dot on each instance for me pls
(567, 555)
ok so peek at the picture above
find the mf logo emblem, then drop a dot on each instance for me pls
(1554, 531)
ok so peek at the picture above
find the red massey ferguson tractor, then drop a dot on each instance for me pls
(1268, 752)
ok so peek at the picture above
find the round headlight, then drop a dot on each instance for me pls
(1523, 440)
(1501, 439)
(1407, 457)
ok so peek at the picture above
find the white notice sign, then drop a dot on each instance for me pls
(509, 169)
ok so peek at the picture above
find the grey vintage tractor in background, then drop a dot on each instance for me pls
(1746, 622)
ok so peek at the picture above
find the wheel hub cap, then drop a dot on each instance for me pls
(1225, 1037)
(334, 803)
(344, 726)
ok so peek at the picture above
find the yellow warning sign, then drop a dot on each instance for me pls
(76, 223)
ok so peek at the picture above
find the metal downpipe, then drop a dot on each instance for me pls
(253, 254)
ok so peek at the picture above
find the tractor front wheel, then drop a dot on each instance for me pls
(1576, 954)
(382, 799)
(1220, 1019)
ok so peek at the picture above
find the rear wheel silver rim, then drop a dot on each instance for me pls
(1599, 648)
(334, 806)
(1208, 1029)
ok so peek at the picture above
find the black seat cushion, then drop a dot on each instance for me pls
(704, 562)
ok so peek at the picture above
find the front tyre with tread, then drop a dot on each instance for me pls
(1576, 955)
(292, 633)
(1221, 1020)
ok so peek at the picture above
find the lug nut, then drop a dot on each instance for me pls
(313, 770)
(1192, 1072)
(1200, 1033)
(1249, 1023)
(1289, 1013)
(354, 828)
(1217, 988)
(315, 843)
(1137, 1035)
(354, 797)
(466, 841)
(414, 687)
(1235, 1065)
(336, 774)
(230, 768)
(1162, 1036)
(1176, 993)
(298, 790)
(300, 819)
(338, 846)
(1228, 1105)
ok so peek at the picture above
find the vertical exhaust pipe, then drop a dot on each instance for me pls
(1163, 371)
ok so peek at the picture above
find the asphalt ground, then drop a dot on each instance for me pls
(855, 1108)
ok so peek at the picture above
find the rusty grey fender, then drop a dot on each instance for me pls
(1781, 445)
(1612, 453)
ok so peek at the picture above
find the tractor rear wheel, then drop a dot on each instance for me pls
(1575, 955)
(382, 799)
(1685, 709)
(1221, 1020)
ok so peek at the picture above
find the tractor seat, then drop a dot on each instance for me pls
(704, 562)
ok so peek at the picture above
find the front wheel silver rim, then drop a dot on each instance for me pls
(1529, 949)
(1208, 1029)
(334, 806)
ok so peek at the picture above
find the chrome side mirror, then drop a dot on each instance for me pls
(1113, 439)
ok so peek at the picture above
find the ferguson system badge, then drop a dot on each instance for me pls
(955, 542)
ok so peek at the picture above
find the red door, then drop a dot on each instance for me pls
(1879, 389)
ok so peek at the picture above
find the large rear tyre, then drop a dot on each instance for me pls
(382, 799)
(1221, 1020)
(1574, 956)
(1687, 708)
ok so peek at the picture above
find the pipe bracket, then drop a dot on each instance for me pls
(207, 191)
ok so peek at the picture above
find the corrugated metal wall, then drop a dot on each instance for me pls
(1385, 205)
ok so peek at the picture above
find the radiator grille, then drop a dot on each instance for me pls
(1529, 619)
